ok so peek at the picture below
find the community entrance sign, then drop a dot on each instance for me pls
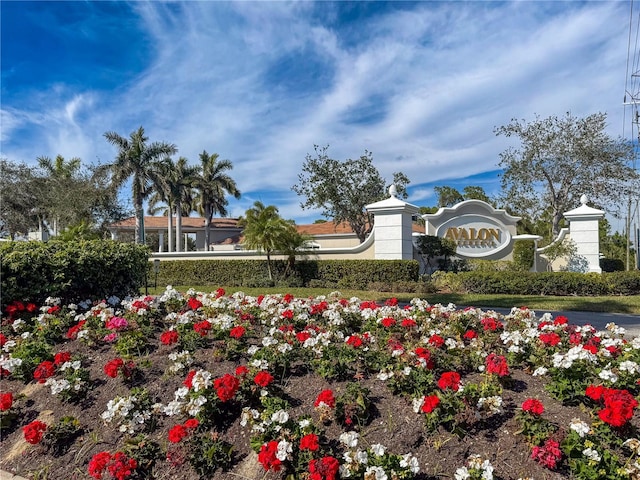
(478, 229)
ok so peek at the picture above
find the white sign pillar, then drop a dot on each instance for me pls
(583, 229)
(393, 227)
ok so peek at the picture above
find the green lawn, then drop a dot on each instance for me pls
(629, 305)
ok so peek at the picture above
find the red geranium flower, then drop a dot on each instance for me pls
(6, 401)
(61, 357)
(34, 431)
(267, 456)
(551, 339)
(237, 332)
(194, 303)
(226, 387)
(491, 324)
(192, 423)
(324, 469)
(112, 367)
(202, 327)
(497, 364)
(388, 322)
(303, 336)
(72, 333)
(409, 323)
(177, 433)
(3, 340)
(548, 455)
(325, 397)
(121, 466)
(430, 403)
(241, 371)
(594, 392)
(98, 464)
(188, 381)
(470, 335)
(533, 406)
(354, 340)
(309, 442)
(449, 380)
(43, 371)
(263, 378)
(436, 340)
(169, 337)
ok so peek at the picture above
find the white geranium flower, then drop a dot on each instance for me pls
(591, 454)
(580, 427)
(378, 449)
(376, 473)
(281, 416)
(350, 439)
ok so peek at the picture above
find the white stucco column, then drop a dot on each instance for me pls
(392, 227)
(160, 241)
(583, 229)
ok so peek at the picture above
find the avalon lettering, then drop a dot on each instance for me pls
(483, 237)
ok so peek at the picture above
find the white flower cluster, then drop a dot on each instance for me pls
(181, 360)
(489, 405)
(125, 412)
(8, 363)
(475, 465)
(566, 360)
(356, 460)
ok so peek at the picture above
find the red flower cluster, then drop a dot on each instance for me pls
(61, 357)
(470, 335)
(119, 465)
(3, 340)
(226, 387)
(139, 305)
(202, 327)
(491, 324)
(237, 332)
(354, 340)
(267, 456)
(318, 308)
(309, 442)
(548, 455)
(6, 401)
(430, 403)
(436, 340)
(288, 314)
(533, 406)
(303, 336)
(188, 381)
(241, 370)
(371, 304)
(117, 365)
(550, 339)
(424, 354)
(408, 323)
(43, 371)
(194, 303)
(497, 364)
(324, 469)
(178, 432)
(388, 322)
(618, 404)
(325, 397)
(449, 380)
(72, 333)
(16, 307)
(34, 431)
(169, 337)
(263, 378)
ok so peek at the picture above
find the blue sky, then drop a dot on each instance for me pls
(422, 85)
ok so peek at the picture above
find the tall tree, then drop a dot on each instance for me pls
(138, 160)
(63, 183)
(559, 159)
(20, 208)
(213, 184)
(174, 186)
(448, 196)
(342, 189)
(264, 230)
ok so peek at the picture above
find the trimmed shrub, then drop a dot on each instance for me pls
(623, 283)
(341, 273)
(71, 270)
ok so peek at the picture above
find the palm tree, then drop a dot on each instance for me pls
(264, 230)
(137, 160)
(293, 243)
(214, 184)
(175, 188)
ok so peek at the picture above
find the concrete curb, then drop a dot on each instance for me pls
(10, 476)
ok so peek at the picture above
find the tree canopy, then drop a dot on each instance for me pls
(561, 158)
(341, 189)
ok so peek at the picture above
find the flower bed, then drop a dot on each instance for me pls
(206, 385)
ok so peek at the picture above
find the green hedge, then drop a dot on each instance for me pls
(73, 271)
(548, 283)
(338, 273)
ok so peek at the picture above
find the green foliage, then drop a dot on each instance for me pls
(342, 189)
(73, 271)
(32, 352)
(558, 160)
(326, 273)
(61, 435)
(523, 255)
(207, 453)
(145, 451)
(353, 406)
(432, 247)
